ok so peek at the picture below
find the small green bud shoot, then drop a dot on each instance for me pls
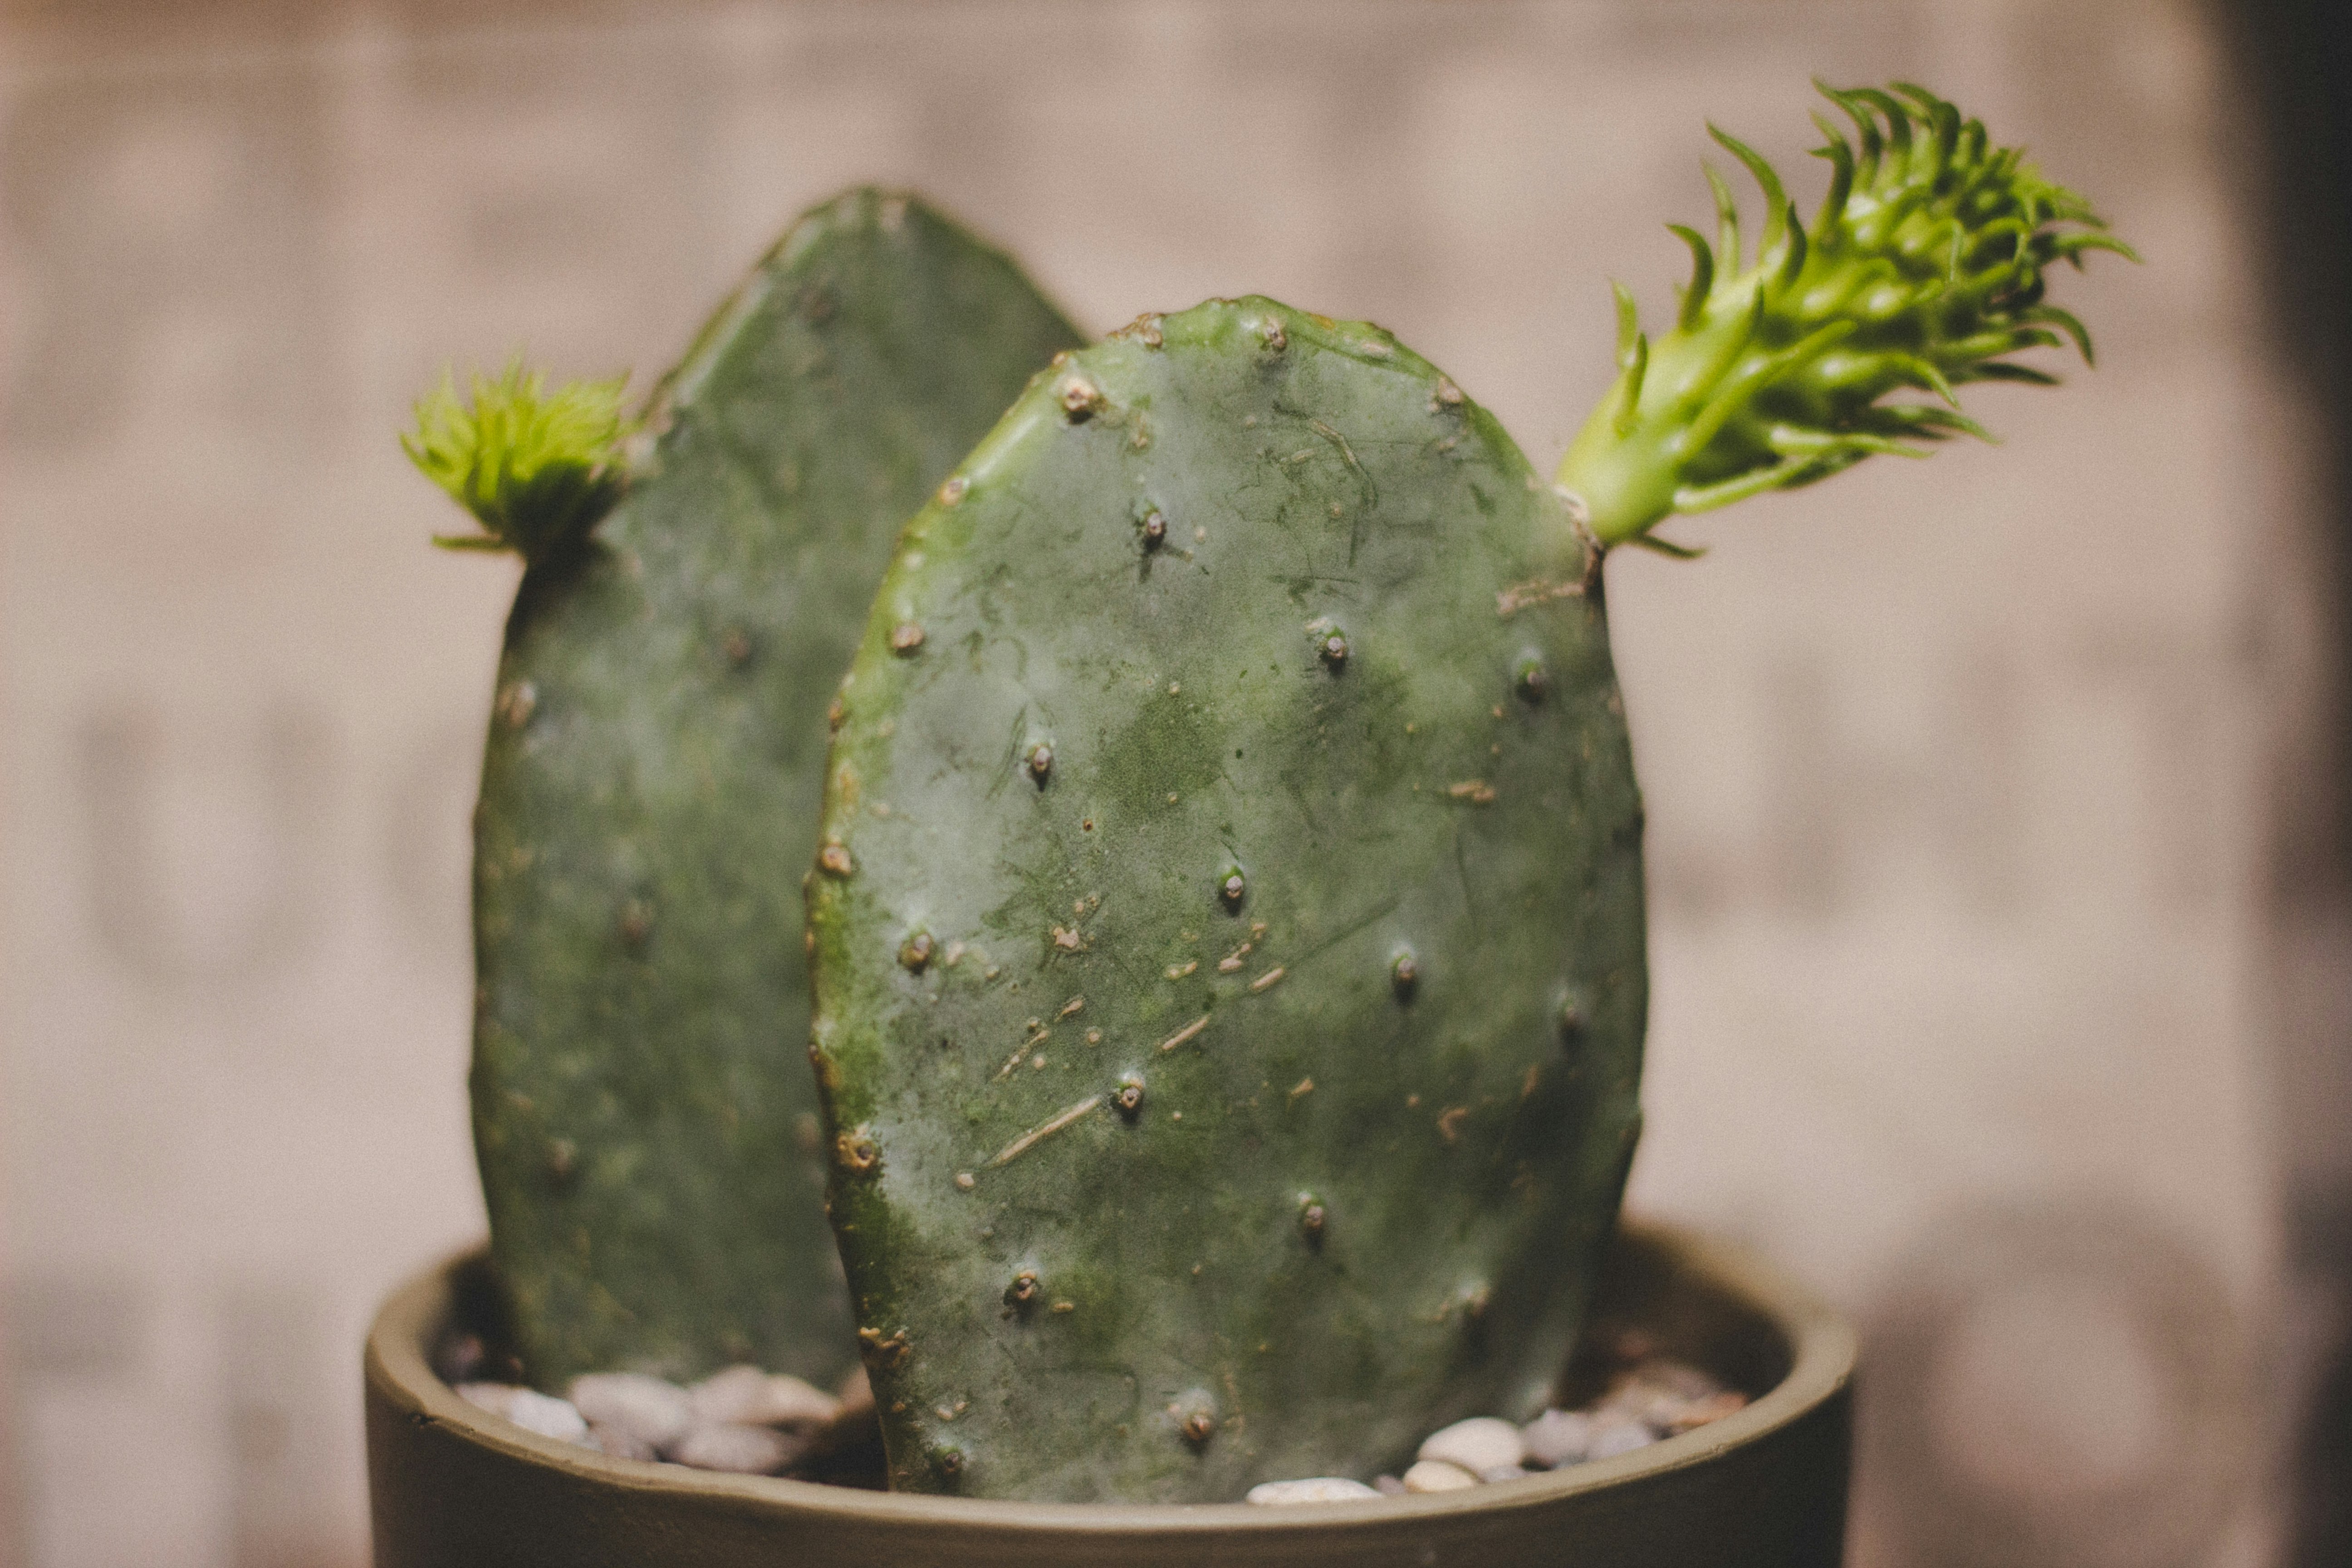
(538, 469)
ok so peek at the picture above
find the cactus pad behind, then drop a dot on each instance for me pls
(646, 1131)
(1230, 956)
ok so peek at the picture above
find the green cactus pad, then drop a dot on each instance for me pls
(647, 1134)
(1229, 945)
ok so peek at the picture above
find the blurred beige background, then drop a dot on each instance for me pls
(1965, 779)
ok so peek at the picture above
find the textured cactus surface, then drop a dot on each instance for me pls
(1229, 938)
(647, 1129)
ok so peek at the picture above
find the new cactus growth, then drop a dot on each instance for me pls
(537, 470)
(1923, 270)
(1230, 976)
(644, 1116)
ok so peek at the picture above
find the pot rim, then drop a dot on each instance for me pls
(1821, 1345)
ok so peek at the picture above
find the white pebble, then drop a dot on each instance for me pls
(1652, 1407)
(1559, 1438)
(739, 1450)
(1479, 1444)
(1715, 1408)
(527, 1409)
(1437, 1476)
(654, 1411)
(747, 1397)
(496, 1398)
(1621, 1438)
(1315, 1488)
(620, 1444)
(1683, 1379)
(547, 1416)
(1664, 1396)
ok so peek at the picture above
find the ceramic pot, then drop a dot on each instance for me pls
(453, 1487)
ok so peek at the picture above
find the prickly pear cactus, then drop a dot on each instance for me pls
(1230, 979)
(647, 1134)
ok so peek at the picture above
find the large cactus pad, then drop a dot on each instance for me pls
(648, 1140)
(1230, 979)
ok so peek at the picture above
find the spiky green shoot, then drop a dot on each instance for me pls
(537, 470)
(1924, 270)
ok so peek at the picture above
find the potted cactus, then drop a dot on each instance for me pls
(1224, 971)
